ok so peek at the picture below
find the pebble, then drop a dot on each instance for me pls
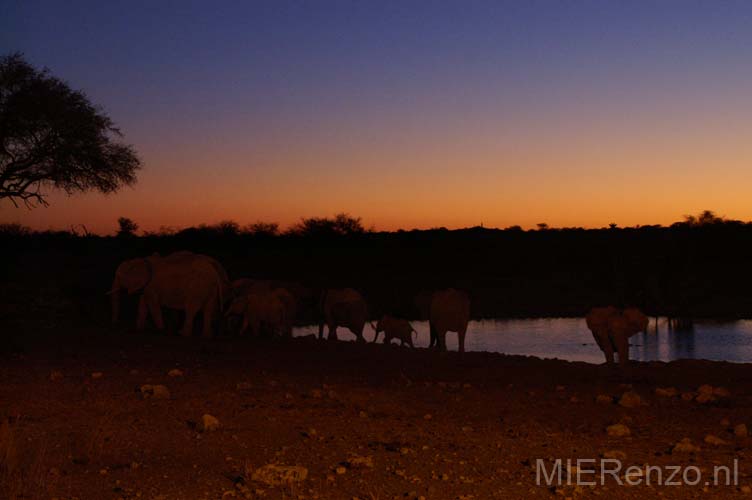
(630, 399)
(149, 391)
(618, 430)
(275, 475)
(685, 446)
(666, 392)
(175, 372)
(209, 423)
(688, 396)
(714, 440)
(740, 430)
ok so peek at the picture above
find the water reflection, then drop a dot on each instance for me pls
(569, 339)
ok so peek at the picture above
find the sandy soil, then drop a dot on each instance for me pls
(365, 421)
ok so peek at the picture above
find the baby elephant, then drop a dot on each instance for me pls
(394, 328)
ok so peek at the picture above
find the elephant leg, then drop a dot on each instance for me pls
(208, 319)
(190, 315)
(461, 338)
(332, 331)
(321, 331)
(441, 339)
(622, 347)
(375, 338)
(433, 339)
(142, 313)
(359, 333)
(149, 305)
(604, 342)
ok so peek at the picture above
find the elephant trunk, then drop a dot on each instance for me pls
(115, 299)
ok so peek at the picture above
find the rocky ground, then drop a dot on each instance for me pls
(97, 415)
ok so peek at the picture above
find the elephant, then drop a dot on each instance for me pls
(612, 327)
(394, 328)
(449, 312)
(265, 312)
(343, 307)
(182, 280)
(243, 287)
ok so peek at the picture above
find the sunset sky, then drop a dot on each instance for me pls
(407, 114)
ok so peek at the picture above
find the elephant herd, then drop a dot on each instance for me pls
(194, 283)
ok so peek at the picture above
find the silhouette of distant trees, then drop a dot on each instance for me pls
(126, 227)
(684, 270)
(53, 137)
(704, 218)
(341, 225)
(262, 229)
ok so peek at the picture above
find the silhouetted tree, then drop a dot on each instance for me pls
(14, 229)
(262, 229)
(342, 225)
(704, 218)
(126, 227)
(542, 226)
(52, 137)
(226, 228)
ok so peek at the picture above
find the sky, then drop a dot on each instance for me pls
(408, 114)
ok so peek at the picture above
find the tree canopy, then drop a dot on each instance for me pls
(52, 136)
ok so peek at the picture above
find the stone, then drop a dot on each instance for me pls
(604, 399)
(209, 423)
(356, 461)
(618, 430)
(340, 469)
(97, 375)
(175, 372)
(705, 389)
(721, 392)
(725, 422)
(740, 430)
(276, 475)
(685, 446)
(149, 391)
(714, 440)
(705, 397)
(56, 375)
(688, 396)
(666, 392)
(630, 399)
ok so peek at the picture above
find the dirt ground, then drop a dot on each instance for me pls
(364, 421)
